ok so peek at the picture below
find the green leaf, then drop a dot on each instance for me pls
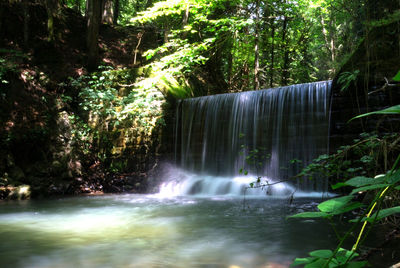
(369, 187)
(333, 205)
(393, 177)
(302, 261)
(391, 110)
(397, 187)
(310, 215)
(344, 255)
(338, 185)
(316, 264)
(384, 213)
(366, 159)
(348, 207)
(359, 181)
(321, 253)
(397, 77)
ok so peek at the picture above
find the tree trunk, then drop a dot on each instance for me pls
(329, 43)
(285, 51)
(116, 11)
(87, 8)
(185, 20)
(230, 66)
(214, 68)
(185, 16)
(271, 67)
(26, 22)
(51, 8)
(93, 25)
(108, 12)
(139, 38)
(256, 48)
(285, 72)
(332, 41)
(166, 30)
(1, 19)
(77, 5)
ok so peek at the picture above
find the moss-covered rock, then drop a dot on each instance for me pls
(15, 193)
(365, 83)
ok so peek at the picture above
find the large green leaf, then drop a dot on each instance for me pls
(338, 185)
(330, 208)
(383, 213)
(391, 110)
(309, 215)
(370, 187)
(394, 177)
(356, 182)
(321, 253)
(348, 207)
(359, 181)
(335, 204)
(397, 77)
(302, 261)
(316, 264)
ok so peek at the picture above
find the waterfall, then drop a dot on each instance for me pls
(268, 133)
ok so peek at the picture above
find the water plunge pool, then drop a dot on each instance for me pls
(150, 231)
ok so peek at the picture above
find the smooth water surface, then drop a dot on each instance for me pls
(150, 231)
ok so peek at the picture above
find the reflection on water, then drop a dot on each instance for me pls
(148, 231)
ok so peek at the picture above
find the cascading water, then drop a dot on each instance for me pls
(269, 133)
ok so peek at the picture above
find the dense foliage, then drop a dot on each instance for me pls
(380, 202)
(112, 116)
(243, 45)
(208, 47)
